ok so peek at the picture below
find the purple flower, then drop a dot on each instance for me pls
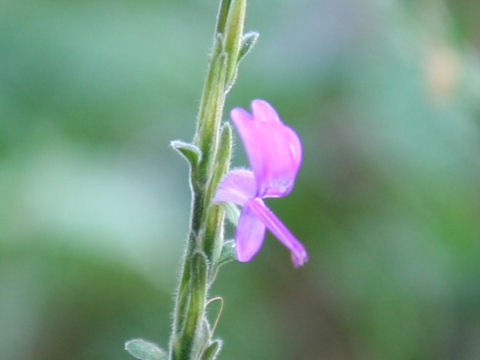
(275, 153)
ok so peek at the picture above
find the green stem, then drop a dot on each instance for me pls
(191, 335)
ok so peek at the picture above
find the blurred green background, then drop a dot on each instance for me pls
(94, 204)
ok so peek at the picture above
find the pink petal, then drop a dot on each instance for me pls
(263, 111)
(237, 187)
(273, 149)
(249, 235)
(275, 225)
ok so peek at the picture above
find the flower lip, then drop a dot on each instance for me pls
(281, 232)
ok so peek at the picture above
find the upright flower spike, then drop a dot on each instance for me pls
(275, 154)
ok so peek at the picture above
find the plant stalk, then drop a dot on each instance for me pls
(191, 337)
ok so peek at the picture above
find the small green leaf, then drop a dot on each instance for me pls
(233, 36)
(215, 69)
(248, 41)
(228, 253)
(212, 351)
(188, 151)
(231, 211)
(224, 153)
(145, 350)
(210, 115)
(222, 160)
(222, 15)
(213, 239)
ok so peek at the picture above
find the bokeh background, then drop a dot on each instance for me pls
(94, 204)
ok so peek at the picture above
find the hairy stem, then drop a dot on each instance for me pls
(191, 337)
